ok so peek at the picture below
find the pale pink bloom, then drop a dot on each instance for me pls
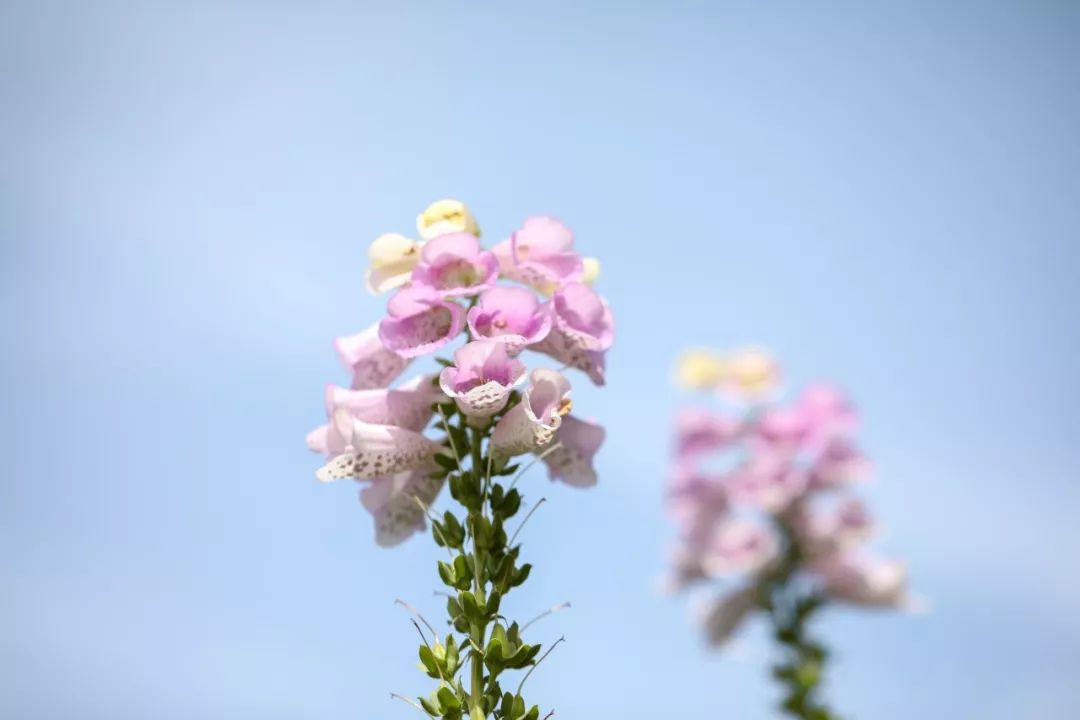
(532, 423)
(510, 315)
(419, 322)
(366, 451)
(540, 254)
(700, 431)
(863, 580)
(696, 501)
(838, 464)
(572, 460)
(481, 378)
(455, 265)
(392, 501)
(372, 364)
(723, 615)
(827, 410)
(784, 428)
(408, 406)
(584, 329)
(767, 480)
(840, 528)
(737, 545)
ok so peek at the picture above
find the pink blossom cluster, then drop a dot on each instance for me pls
(752, 489)
(527, 297)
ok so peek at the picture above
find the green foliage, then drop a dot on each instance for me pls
(480, 571)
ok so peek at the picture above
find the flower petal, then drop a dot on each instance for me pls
(372, 364)
(378, 450)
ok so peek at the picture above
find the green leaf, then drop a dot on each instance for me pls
(448, 574)
(493, 602)
(431, 708)
(448, 699)
(446, 462)
(427, 659)
(521, 575)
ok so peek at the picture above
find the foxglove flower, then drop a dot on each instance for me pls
(372, 364)
(446, 216)
(584, 328)
(570, 458)
(532, 423)
(392, 258)
(700, 431)
(784, 463)
(408, 406)
(419, 322)
(540, 254)
(699, 370)
(512, 316)
(481, 378)
(455, 265)
(397, 503)
(365, 451)
(723, 615)
(863, 580)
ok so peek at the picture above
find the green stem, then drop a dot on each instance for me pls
(801, 671)
(479, 631)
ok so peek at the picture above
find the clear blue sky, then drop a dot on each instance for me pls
(887, 194)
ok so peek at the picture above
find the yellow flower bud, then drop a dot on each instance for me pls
(446, 216)
(591, 268)
(751, 371)
(393, 258)
(699, 370)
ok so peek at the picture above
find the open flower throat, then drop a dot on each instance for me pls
(499, 320)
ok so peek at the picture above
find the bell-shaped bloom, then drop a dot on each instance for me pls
(455, 265)
(532, 423)
(783, 428)
(510, 315)
(481, 378)
(392, 258)
(372, 364)
(722, 616)
(584, 328)
(750, 374)
(571, 459)
(700, 431)
(397, 503)
(840, 528)
(696, 501)
(864, 580)
(590, 270)
(699, 370)
(839, 463)
(446, 216)
(408, 406)
(419, 322)
(737, 545)
(365, 451)
(767, 480)
(540, 254)
(827, 410)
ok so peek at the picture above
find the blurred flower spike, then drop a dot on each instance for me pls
(777, 523)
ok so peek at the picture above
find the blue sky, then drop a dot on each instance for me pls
(883, 193)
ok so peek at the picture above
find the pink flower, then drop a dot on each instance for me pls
(392, 501)
(767, 480)
(700, 431)
(838, 464)
(584, 329)
(372, 364)
(737, 545)
(366, 451)
(540, 254)
(408, 406)
(455, 265)
(827, 410)
(696, 501)
(841, 528)
(481, 378)
(512, 316)
(532, 423)
(723, 615)
(572, 460)
(862, 580)
(419, 322)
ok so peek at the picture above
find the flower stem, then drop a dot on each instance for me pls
(476, 689)
(801, 670)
